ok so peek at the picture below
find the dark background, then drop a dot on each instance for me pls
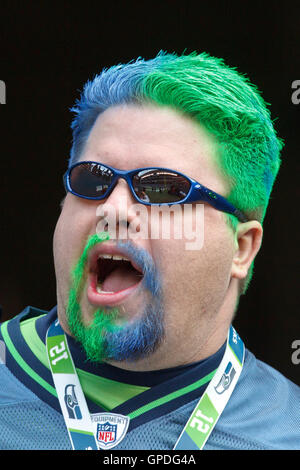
(47, 52)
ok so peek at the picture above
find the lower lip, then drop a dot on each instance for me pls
(108, 299)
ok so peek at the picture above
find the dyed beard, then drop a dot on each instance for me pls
(102, 339)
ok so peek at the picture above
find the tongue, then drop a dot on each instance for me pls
(119, 279)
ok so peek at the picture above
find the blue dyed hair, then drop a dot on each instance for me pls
(117, 85)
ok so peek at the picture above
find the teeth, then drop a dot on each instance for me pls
(114, 257)
(100, 291)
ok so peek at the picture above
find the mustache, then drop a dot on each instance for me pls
(79, 268)
(151, 276)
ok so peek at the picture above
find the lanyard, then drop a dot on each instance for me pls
(69, 391)
(209, 408)
(199, 426)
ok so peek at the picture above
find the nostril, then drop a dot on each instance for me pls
(122, 223)
(116, 229)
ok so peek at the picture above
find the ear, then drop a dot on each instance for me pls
(248, 238)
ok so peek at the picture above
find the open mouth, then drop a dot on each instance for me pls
(116, 273)
(113, 277)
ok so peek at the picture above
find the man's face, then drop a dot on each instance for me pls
(193, 283)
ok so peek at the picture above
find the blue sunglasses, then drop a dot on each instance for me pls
(149, 186)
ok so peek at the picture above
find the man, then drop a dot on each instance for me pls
(139, 352)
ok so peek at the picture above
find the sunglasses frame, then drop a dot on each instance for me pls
(197, 192)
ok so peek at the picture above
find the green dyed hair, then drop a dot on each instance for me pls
(212, 93)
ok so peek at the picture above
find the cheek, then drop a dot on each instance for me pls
(197, 273)
(76, 223)
(61, 247)
(69, 235)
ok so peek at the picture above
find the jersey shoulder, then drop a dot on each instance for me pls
(262, 413)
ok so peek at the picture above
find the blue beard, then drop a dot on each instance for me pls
(136, 340)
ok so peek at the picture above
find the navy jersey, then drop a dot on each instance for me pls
(262, 413)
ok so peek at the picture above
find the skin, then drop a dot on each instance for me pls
(200, 288)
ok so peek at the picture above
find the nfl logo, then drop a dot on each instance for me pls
(110, 429)
(106, 433)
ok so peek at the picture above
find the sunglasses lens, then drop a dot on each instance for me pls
(160, 186)
(90, 179)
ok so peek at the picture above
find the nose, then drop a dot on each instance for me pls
(118, 211)
(121, 199)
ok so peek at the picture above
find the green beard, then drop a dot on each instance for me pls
(91, 336)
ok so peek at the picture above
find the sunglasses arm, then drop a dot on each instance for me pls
(201, 193)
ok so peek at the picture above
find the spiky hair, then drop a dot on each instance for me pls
(215, 95)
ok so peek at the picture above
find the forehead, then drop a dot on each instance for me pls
(136, 136)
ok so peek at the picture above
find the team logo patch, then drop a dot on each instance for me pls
(226, 379)
(110, 429)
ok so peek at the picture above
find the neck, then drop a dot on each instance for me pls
(168, 356)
